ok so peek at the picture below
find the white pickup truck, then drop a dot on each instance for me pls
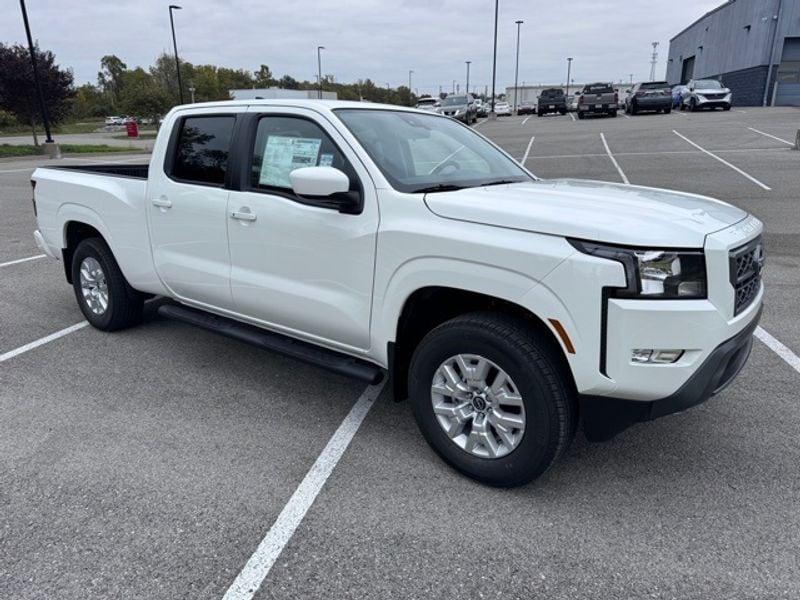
(368, 238)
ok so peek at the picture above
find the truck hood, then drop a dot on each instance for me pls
(591, 210)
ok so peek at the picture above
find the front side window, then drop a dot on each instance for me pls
(284, 144)
(419, 152)
(202, 148)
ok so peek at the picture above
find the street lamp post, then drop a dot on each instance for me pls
(466, 90)
(40, 94)
(492, 114)
(516, 69)
(319, 71)
(569, 72)
(191, 91)
(410, 73)
(175, 47)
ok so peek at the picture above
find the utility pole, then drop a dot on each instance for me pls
(191, 91)
(454, 87)
(516, 68)
(492, 114)
(466, 89)
(175, 47)
(40, 94)
(631, 79)
(569, 73)
(410, 73)
(776, 22)
(653, 62)
(319, 71)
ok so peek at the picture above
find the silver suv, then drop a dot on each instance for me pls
(461, 107)
(706, 93)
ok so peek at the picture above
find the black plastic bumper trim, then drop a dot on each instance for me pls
(604, 417)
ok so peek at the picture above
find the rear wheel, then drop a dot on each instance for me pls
(613, 114)
(490, 399)
(580, 115)
(104, 296)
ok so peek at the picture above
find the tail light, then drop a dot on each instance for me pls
(616, 97)
(580, 100)
(33, 197)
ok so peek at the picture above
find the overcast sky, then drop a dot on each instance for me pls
(380, 39)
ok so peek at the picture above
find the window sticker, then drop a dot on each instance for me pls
(283, 155)
(325, 160)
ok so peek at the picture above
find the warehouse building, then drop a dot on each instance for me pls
(752, 46)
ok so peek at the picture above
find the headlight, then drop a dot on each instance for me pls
(679, 274)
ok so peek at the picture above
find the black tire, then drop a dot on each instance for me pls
(124, 303)
(613, 114)
(634, 109)
(580, 115)
(667, 110)
(693, 106)
(726, 108)
(546, 391)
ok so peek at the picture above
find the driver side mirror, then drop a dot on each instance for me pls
(327, 184)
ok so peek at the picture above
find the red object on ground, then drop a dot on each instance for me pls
(132, 127)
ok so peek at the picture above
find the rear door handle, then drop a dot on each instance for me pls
(162, 202)
(243, 215)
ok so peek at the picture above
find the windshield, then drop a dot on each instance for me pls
(424, 152)
(654, 85)
(708, 84)
(454, 100)
(552, 93)
(426, 101)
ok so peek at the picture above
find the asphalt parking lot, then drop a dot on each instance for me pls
(151, 463)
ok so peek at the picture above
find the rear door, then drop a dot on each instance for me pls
(298, 266)
(187, 207)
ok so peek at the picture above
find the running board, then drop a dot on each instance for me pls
(275, 342)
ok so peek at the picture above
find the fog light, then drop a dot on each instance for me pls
(660, 357)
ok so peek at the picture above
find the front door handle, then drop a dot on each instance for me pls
(162, 202)
(243, 215)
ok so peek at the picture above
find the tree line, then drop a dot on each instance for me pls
(147, 93)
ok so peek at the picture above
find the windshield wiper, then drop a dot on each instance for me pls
(439, 187)
(500, 182)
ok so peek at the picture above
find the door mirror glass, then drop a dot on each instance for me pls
(319, 181)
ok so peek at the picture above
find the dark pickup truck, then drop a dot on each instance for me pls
(552, 100)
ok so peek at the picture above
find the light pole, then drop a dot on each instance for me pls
(175, 47)
(319, 71)
(191, 91)
(410, 73)
(492, 114)
(42, 107)
(454, 87)
(516, 69)
(466, 90)
(569, 72)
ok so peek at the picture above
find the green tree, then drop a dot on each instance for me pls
(109, 78)
(263, 77)
(90, 101)
(142, 96)
(18, 90)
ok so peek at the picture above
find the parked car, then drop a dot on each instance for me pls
(526, 108)
(460, 107)
(502, 108)
(677, 95)
(429, 104)
(115, 121)
(551, 100)
(649, 96)
(706, 93)
(374, 240)
(572, 102)
(482, 107)
(598, 99)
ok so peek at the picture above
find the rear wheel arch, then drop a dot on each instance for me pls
(74, 233)
(428, 307)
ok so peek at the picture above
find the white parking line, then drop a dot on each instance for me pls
(527, 150)
(260, 563)
(774, 137)
(22, 260)
(526, 119)
(724, 162)
(625, 115)
(571, 116)
(614, 160)
(42, 341)
(778, 348)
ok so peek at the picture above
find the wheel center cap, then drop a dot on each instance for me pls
(479, 403)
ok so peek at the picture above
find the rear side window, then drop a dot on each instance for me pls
(202, 148)
(284, 144)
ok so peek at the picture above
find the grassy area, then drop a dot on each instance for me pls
(78, 127)
(143, 135)
(8, 151)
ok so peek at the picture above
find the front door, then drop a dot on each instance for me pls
(187, 207)
(296, 266)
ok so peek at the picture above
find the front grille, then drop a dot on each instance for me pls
(714, 96)
(746, 263)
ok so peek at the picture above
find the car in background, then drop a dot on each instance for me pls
(460, 107)
(649, 96)
(678, 92)
(706, 93)
(598, 99)
(551, 100)
(572, 102)
(428, 104)
(502, 109)
(482, 107)
(115, 120)
(526, 108)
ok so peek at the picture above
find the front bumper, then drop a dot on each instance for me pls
(603, 417)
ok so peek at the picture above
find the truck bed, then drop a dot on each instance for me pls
(116, 170)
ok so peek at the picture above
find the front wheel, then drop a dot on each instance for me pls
(104, 296)
(490, 398)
